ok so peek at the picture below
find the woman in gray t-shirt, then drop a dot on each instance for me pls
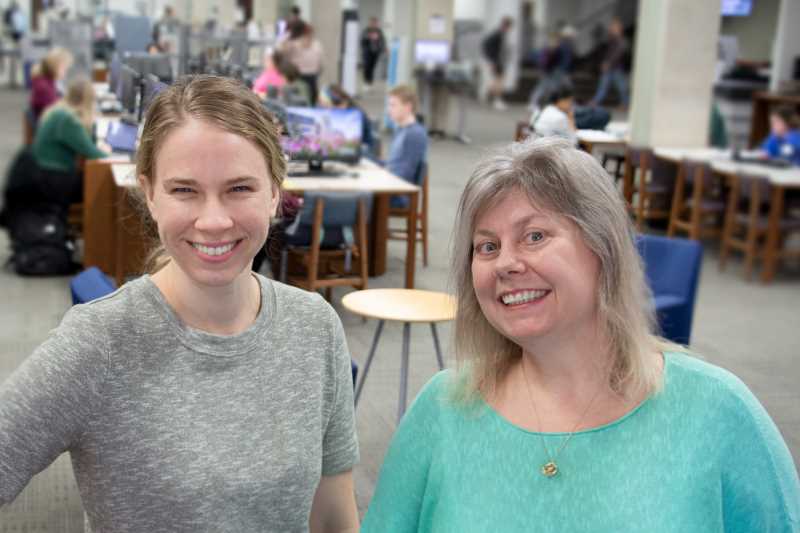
(201, 396)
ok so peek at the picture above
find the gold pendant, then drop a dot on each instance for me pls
(549, 469)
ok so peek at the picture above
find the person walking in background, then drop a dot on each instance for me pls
(373, 45)
(305, 52)
(493, 49)
(556, 65)
(45, 78)
(613, 68)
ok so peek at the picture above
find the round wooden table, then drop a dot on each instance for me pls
(406, 306)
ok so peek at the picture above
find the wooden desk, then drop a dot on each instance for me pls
(120, 248)
(591, 139)
(780, 180)
(762, 103)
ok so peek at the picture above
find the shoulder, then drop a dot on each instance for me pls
(719, 391)
(435, 399)
(299, 313)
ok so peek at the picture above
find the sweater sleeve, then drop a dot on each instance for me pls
(46, 404)
(74, 135)
(398, 503)
(407, 156)
(761, 491)
(339, 442)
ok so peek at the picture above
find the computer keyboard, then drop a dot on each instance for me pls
(767, 162)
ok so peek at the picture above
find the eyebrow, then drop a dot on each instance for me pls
(178, 181)
(524, 221)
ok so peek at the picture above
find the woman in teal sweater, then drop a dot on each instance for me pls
(62, 136)
(566, 412)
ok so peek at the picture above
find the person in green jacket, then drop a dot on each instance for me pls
(567, 413)
(62, 137)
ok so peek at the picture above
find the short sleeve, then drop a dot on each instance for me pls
(761, 491)
(45, 405)
(340, 445)
(397, 504)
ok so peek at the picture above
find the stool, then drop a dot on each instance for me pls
(406, 306)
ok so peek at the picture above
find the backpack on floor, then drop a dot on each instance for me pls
(39, 243)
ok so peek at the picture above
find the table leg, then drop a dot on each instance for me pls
(437, 346)
(411, 247)
(401, 408)
(375, 339)
(773, 234)
(379, 235)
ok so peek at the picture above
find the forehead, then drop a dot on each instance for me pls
(200, 150)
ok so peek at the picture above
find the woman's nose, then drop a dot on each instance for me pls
(214, 217)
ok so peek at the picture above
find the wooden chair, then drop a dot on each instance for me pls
(651, 190)
(697, 203)
(328, 242)
(422, 216)
(747, 222)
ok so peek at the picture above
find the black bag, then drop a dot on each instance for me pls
(39, 243)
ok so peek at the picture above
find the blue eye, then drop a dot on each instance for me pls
(485, 247)
(534, 236)
(182, 190)
(241, 188)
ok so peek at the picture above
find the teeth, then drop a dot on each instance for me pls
(522, 297)
(216, 250)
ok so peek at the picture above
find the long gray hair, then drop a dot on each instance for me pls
(559, 178)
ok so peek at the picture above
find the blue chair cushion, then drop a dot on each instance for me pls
(668, 301)
(90, 285)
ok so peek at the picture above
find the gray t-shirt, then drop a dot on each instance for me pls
(174, 429)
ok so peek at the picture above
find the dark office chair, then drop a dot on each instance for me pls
(672, 267)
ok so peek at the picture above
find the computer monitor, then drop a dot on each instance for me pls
(431, 52)
(145, 63)
(151, 86)
(320, 134)
(736, 8)
(113, 73)
(128, 88)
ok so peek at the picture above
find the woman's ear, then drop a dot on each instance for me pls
(147, 189)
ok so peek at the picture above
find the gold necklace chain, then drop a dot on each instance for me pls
(550, 468)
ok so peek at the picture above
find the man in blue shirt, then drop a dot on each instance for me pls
(784, 139)
(409, 146)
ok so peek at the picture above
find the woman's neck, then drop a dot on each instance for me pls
(227, 310)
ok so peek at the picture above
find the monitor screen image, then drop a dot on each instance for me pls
(431, 52)
(736, 8)
(145, 63)
(319, 134)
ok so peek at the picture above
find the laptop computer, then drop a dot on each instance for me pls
(121, 137)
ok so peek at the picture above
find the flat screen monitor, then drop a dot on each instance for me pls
(113, 73)
(320, 134)
(151, 86)
(128, 88)
(145, 63)
(736, 8)
(431, 52)
(121, 137)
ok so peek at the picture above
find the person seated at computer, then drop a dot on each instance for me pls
(784, 139)
(45, 78)
(409, 147)
(334, 96)
(63, 135)
(271, 76)
(557, 119)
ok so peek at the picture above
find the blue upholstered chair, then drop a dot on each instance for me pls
(672, 267)
(90, 285)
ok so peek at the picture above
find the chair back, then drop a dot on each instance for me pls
(750, 184)
(672, 267)
(90, 285)
(691, 169)
(639, 156)
(339, 218)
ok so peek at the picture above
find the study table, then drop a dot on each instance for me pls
(115, 240)
(780, 180)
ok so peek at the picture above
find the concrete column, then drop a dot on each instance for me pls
(787, 43)
(326, 18)
(675, 55)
